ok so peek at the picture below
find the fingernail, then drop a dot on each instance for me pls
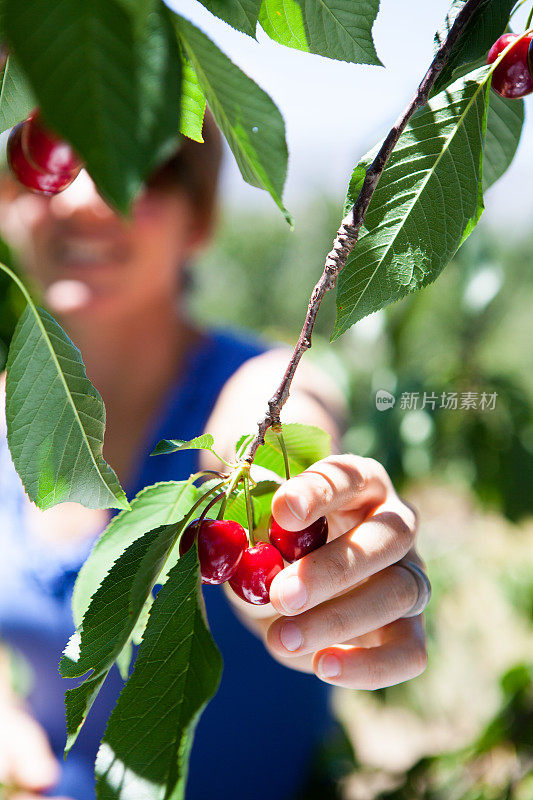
(297, 506)
(293, 594)
(329, 667)
(291, 637)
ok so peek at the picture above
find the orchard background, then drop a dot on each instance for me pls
(441, 736)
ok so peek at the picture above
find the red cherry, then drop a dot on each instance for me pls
(41, 182)
(294, 544)
(45, 151)
(512, 77)
(256, 571)
(221, 543)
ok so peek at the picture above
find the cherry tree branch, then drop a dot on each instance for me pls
(348, 232)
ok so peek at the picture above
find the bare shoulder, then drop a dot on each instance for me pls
(267, 369)
(315, 398)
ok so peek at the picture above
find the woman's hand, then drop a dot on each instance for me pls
(27, 764)
(342, 607)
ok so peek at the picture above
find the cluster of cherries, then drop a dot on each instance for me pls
(40, 160)
(513, 77)
(225, 554)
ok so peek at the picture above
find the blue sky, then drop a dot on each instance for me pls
(335, 111)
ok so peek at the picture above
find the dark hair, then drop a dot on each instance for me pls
(195, 167)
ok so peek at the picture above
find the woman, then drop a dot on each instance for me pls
(348, 615)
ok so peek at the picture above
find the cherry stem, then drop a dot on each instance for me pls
(278, 430)
(195, 475)
(350, 226)
(249, 510)
(223, 505)
(227, 463)
(199, 503)
(210, 505)
(235, 478)
(242, 449)
(212, 472)
(530, 17)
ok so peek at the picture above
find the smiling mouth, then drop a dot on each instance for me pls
(84, 253)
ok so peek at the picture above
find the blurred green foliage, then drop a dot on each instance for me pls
(463, 730)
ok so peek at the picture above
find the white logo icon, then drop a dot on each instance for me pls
(384, 400)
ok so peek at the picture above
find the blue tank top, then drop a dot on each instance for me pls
(261, 709)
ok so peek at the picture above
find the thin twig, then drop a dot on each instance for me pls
(350, 226)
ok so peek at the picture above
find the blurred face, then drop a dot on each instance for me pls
(90, 262)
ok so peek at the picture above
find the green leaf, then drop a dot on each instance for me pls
(427, 201)
(16, 98)
(166, 446)
(261, 496)
(251, 123)
(305, 445)
(283, 21)
(505, 120)
(107, 75)
(123, 660)
(236, 507)
(486, 25)
(240, 14)
(56, 418)
(160, 504)
(110, 620)
(192, 104)
(340, 29)
(266, 487)
(145, 749)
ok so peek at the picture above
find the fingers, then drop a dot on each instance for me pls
(377, 602)
(345, 482)
(402, 656)
(30, 763)
(339, 565)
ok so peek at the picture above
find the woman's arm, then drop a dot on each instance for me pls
(340, 611)
(314, 399)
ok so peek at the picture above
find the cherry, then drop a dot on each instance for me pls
(512, 77)
(45, 151)
(256, 571)
(294, 544)
(221, 543)
(41, 182)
